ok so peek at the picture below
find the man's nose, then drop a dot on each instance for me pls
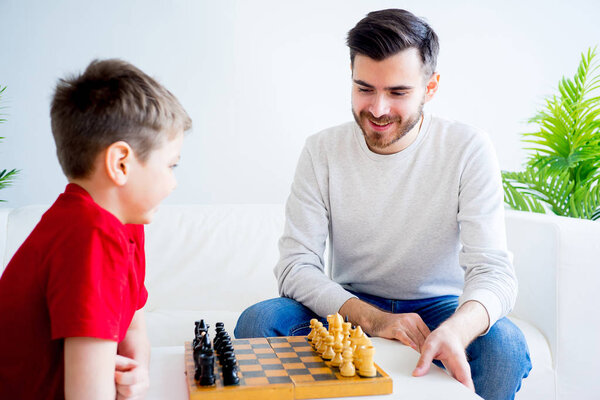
(379, 106)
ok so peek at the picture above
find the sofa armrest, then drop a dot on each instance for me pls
(557, 261)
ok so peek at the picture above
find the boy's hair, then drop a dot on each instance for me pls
(111, 101)
(384, 33)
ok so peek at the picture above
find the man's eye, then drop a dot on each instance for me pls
(173, 166)
(398, 94)
(364, 90)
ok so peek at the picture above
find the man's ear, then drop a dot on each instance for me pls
(432, 86)
(117, 161)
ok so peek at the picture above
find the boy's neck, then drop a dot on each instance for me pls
(103, 194)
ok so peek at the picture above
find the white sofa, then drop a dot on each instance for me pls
(213, 261)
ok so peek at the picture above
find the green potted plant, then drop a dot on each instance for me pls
(562, 173)
(6, 177)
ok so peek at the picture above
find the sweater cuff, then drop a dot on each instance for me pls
(489, 300)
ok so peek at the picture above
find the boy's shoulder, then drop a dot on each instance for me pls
(74, 213)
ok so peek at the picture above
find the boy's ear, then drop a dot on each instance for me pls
(117, 161)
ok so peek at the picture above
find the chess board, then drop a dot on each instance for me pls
(283, 368)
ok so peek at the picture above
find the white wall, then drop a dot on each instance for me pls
(258, 77)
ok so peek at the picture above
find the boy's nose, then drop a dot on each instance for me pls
(379, 107)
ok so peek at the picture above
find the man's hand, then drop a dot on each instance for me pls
(407, 328)
(446, 346)
(448, 342)
(131, 379)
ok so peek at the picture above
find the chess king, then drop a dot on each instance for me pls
(412, 205)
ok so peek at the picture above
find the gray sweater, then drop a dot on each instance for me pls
(427, 221)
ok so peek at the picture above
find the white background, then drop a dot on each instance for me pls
(258, 77)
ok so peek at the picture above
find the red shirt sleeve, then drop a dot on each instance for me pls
(92, 289)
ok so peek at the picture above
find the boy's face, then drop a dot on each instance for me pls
(151, 181)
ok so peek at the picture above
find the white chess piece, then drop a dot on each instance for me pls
(347, 367)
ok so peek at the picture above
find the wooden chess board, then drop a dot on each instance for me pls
(283, 368)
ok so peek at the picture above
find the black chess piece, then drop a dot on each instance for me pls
(205, 344)
(224, 350)
(225, 341)
(223, 337)
(218, 337)
(207, 365)
(201, 327)
(196, 350)
(230, 370)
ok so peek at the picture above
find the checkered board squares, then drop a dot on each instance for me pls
(315, 378)
(261, 374)
(284, 368)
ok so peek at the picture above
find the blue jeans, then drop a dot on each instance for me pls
(499, 360)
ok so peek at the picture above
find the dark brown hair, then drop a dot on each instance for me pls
(111, 101)
(384, 33)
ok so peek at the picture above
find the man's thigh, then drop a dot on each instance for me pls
(280, 316)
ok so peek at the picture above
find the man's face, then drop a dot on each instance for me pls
(388, 98)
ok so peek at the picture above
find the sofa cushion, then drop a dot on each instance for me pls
(541, 381)
(217, 258)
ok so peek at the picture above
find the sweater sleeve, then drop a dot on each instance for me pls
(489, 274)
(300, 270)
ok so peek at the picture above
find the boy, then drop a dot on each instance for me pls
(71, 297)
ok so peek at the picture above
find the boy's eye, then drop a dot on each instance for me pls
(173, 166)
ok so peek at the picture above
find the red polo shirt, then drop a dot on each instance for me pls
(79, 273)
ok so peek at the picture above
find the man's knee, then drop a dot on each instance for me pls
(499, 361)
(506, 342)
(273, 317)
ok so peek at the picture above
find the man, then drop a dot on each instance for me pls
(412, 205)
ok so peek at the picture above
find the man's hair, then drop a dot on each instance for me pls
(111, 101)
(384, 33)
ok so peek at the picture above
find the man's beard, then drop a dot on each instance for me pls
(378, 141)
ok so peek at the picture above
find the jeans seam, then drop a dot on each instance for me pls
(298, 327)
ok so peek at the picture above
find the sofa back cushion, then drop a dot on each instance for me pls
(204, 257)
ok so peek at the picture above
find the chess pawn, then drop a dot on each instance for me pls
(313, 324)
(322, 345)
(337, 359)
(367, 367)
(328, 353)
(317, 336)
(347, 368)
(336, 330)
